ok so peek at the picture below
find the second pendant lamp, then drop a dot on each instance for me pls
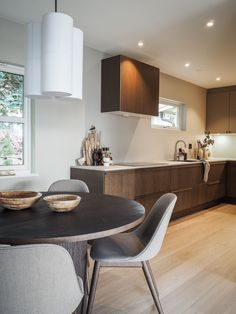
(54, 58)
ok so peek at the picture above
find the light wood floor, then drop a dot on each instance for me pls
(195, 270)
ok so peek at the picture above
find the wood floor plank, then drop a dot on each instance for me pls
(195, 270)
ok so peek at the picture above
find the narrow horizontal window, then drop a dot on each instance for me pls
(171, 115)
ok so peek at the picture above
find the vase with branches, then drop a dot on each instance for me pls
(203, 146)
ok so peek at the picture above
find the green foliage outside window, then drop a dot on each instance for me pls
(11, 107)
(11, 94)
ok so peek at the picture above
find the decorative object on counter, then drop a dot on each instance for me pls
(80, 161)
(106, 161)
(4, 173)
(17, 200)
(203, 147)
(91, 143)
(93, 151)
(107, 158)
(62, 202)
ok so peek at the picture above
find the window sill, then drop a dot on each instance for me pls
(19, 176)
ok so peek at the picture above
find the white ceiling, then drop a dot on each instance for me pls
(173, 32)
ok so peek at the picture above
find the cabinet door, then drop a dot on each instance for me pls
(183, 179)
(148, 200)
(139, 87)
(216, 187)
(232, 112)
(152, 180)
(184, 200)
(120, 183)
(231, 179)
(217, 172)
(215, 191)
(217, 112)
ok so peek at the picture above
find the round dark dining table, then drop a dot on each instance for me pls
(96, 216)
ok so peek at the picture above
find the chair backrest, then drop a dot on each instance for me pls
(69, 185)
(152, 231)
(38, 278)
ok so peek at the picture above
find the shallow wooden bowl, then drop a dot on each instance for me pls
(62, 202)
(17, 200)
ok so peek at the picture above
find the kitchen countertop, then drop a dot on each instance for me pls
(154, 164)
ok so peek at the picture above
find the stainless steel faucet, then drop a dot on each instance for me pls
(176, 144)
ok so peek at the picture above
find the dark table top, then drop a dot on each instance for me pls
(96, 216)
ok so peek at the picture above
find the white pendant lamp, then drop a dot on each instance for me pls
(32, 82)
(55, 57)
(77, 70)
(57, 45)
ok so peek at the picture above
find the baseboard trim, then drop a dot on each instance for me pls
(198, 208)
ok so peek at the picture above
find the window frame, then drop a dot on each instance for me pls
(25, 120)
(181, 115)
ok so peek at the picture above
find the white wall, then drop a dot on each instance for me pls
(59, 127)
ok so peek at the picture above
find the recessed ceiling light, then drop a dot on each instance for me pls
(210, 23)
(187, 65)
(140, 43)
(218, 78)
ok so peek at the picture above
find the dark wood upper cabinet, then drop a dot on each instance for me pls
(221, 110)
(129, 85)
(232, 112)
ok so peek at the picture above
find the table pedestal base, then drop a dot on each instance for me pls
(78, 252)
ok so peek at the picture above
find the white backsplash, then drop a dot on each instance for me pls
(224, 146)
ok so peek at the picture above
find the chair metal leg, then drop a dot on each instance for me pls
(86, 285)
(93, 287)
(153, 279)
(152, 286)
(87, 272)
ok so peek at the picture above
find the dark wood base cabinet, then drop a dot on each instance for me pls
(146, 185)
(231, 182)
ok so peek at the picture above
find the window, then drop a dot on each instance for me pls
(171, 115)
(14, 120)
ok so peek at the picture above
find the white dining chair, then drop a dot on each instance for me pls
(68, 185)
(38, 279)
(135, 248)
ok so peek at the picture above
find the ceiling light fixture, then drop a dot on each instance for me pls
(140, 43)
(210, 23)
(54, 58)
(218, 78)
(187, 65)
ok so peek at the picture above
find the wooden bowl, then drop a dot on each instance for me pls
(62, 202)
(17, 200)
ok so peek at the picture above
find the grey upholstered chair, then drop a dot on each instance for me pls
(69, 185)
(135, 248)
(73, 185)
(39, 279)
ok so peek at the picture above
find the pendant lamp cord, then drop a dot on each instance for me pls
(55, 5)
